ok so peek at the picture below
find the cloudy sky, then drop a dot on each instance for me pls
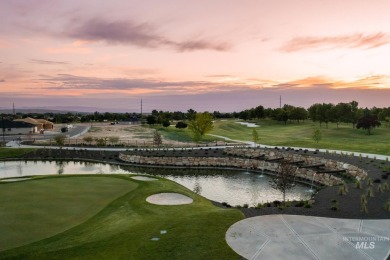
(224, 55)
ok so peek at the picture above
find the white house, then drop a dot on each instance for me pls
(9, 127)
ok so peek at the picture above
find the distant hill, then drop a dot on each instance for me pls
(62, 110)
(37, 110)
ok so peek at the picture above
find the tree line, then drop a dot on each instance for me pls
(323, 113)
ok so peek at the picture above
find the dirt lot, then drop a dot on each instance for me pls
(128, 134)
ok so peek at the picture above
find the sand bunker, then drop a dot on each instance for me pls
(143, 178)
(169, 199)
(15, 179)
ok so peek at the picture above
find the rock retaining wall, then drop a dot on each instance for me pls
(350, 169)
(235, 162)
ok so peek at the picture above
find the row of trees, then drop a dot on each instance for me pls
(320, 112)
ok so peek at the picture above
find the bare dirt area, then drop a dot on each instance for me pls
(131, 135)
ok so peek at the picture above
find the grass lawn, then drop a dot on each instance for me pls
(14, 152)
(293, 134)
(121, 230)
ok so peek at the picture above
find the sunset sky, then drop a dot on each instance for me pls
(225, 55)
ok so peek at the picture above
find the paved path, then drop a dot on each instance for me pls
(252, 144)
(15, 144)
(305, 237)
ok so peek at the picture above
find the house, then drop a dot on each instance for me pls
(41, 124)
(9, 127)
(47, 125)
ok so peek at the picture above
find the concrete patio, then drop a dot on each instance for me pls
(305, 237)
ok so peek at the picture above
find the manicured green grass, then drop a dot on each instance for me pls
(300, 134)
(40, 208)
(123, 229)
(14, 152)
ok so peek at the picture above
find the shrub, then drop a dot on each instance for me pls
(166, 123)
(277, 202)
(60, 139)
(88, 139)
(259, 205)
(364, 207)
(370, 193)
(369, 182)
(245, 206)
(387, 206)
(101, 141)
(335, 206)
(299, 204)
(181, 124)
(358, 184)
(342, 191)
(363, 199)
(379, 188)
(385, 186)
(113, 139)
(226, 204)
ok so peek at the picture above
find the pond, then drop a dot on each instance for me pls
(236, 187)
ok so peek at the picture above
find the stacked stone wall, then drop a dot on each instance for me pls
(233, 161)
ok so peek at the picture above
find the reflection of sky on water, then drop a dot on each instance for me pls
(237, 188)
(22, 168)
(233, 187)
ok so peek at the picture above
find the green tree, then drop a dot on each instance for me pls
(151, 120)
(60, 139)
(202, 124)
(255, 136)
(166, 123)
(157, 139)
(284, 180)
(317, 135)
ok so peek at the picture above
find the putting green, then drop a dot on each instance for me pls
(128, 227)
(40, 208)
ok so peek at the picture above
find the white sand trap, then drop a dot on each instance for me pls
(15, 179)
(169, 199)
(143, 178)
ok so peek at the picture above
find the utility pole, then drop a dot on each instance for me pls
(280, 101)
(141, 108)
(13, 108)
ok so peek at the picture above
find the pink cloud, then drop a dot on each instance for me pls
(357, 40)
(136, 34)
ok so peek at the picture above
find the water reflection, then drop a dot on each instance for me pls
(233, 187)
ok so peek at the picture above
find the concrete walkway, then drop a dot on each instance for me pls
(252, 144)
(305, 237)
(15, 144)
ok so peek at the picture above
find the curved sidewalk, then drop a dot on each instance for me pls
(252, 144)
(305, 237)
(15, 144)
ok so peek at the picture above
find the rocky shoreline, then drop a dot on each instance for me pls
(348, 205)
